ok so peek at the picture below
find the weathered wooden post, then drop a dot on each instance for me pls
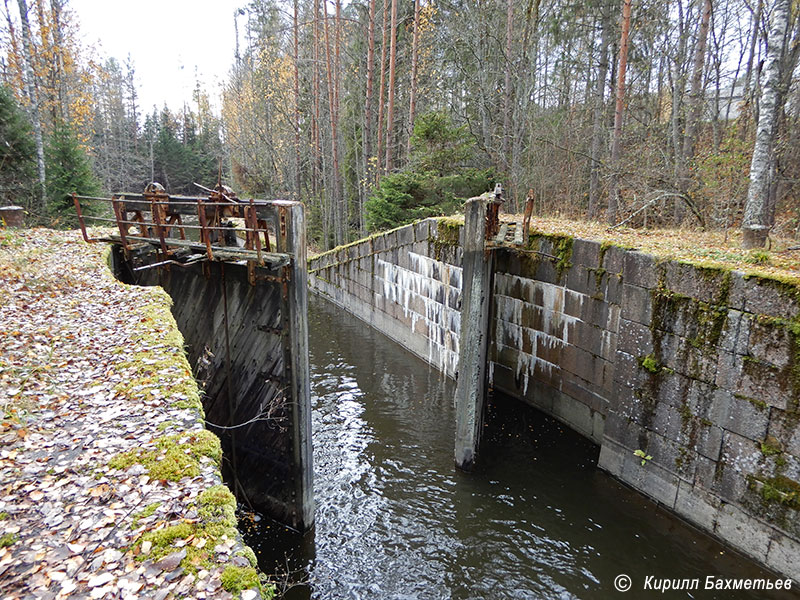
(475, 308)
(292, 240)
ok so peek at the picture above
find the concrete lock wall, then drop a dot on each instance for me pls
(406, 283)
(696, 368)
(687, 376)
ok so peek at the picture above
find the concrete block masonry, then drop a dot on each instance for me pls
(693, 365)
(408, 286)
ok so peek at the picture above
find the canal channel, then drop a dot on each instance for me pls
(395, 519)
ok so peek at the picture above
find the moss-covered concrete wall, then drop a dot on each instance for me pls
(687, 375)
(406, 283)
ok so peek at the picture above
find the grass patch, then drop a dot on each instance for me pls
(8, 539)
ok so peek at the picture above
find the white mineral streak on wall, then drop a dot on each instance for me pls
(429, 292)
(554, 332)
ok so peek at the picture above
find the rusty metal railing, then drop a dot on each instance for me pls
(157, 219)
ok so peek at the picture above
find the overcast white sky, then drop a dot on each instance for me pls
(166, 39)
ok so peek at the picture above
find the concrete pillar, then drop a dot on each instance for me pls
(475, 308)
(292, 240)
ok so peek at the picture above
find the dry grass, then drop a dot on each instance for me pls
(699, 247)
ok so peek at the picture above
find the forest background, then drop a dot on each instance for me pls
(378, 112)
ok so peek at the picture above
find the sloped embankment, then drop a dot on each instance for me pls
(109, 482)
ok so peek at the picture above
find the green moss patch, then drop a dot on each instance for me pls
(174, 456)
(237, 579)
(148, 511)
(649, 363)
(779, 489)
(218, 505)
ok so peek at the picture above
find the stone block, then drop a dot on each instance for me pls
(578, 278)
(584, 392)
(599, 423)
(707, 284)
(636, 304)
(613, 259)
(542, 396)
(764, 382)
(785, 427)
(608, 346)
(744, 417)
(742, 531)
(729, 371)
(672, 389)
(574, 302)
(770, 297)
(657, 483)
(547, 373)
(614, 289)
(639, 269)
(422, 231)
(585, 253)
(709, 442)
(596, 312)
(634, 338)
(771, 343)
(697, 506)
(613, 318)
(627, 403)
(729, 337)
(782, 556)
(502, 284)
(585, 336)
(708, 402)
(626, 370)
(672, 456)
(740, 457)
(612, 455)
(575, 414)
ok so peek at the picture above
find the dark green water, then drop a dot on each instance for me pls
(395, 519)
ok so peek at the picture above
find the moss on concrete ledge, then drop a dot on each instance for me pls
(174, 456)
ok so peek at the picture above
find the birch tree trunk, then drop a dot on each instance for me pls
(755, 225)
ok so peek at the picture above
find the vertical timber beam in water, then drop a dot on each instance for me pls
(476, 303)
(291, 236)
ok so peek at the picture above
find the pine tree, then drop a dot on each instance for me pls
(68, 170)
(17, 153)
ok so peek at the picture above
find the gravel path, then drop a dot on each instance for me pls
(108, 481)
